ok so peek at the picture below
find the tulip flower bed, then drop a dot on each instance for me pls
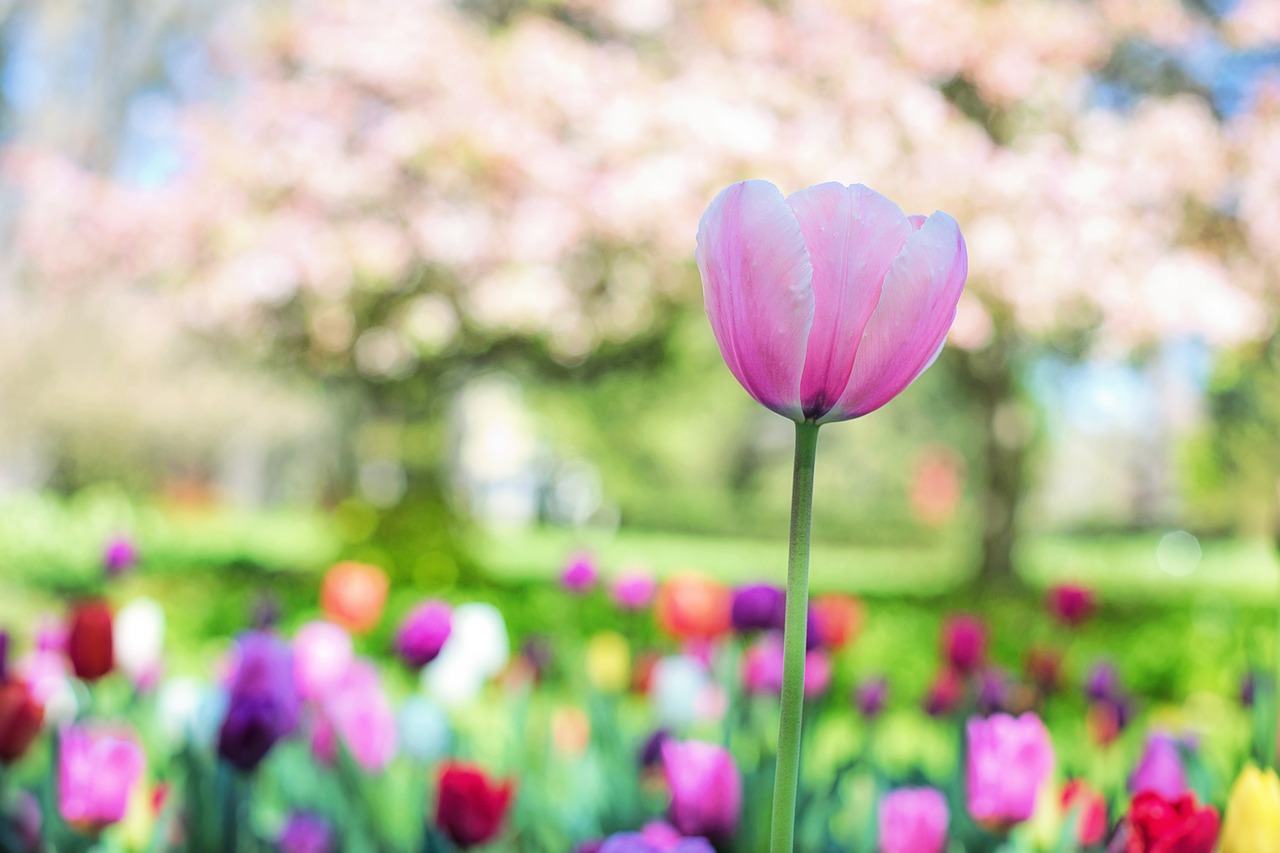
(635, 715)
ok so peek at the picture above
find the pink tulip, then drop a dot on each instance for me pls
(913, 820)
(361, 714)
(828, 303)
(322, 653)
(633, 590)
(1010, 759)
(706, 789)
(96, 774)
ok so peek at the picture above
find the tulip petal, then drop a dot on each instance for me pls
(853, 235)
(909, 326)
(757, 284)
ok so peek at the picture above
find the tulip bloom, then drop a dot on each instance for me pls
(1253, 812)
(96, 776)
(353, 595)
(944, 694)
(836, 619)
(263, 704)
(633, 590)
(964, 643)
(1090, 810)
(1010, 759)
(305, 833)
(322, 652)
(1176, 825)
(913, 820)
(692, 607)
(706, 789)
(359, 711)
(1160, 768)
(90, 641)
(608, 662)
(1071, 604)
(828, 303)
(580, 575)
(119, 556)
(138, 638)
(470, 807)
(21, 717)
(423, 633)
(758, 607)
(870, 697)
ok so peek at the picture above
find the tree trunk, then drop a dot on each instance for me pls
(988, 379)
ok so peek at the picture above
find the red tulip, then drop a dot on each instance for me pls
(1090, 810)
(964, 643)
(1159, 825)
(1071, 604)
(89, 640)
(469, 806)
(20, 720)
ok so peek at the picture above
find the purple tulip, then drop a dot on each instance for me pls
(828, 303)
(706, 789)
(119, 555)
(993, 691)
(1160, 769)
(305, 833)
(423, 633)
(913, 820)
(651, 750)
(870, 697)
(1102, 683)
(580, 575)
(1010, 759)
(96, 775)
(758, 607)
(633, 590)
(263, 704)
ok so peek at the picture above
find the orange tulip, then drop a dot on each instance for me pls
(353, 595)
(693, 607)
(837, 618)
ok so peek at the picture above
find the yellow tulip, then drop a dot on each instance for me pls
(1253, 813)
(609, 662)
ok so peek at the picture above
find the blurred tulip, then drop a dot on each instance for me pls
(1044, 668)
(48, 676)
(692, 607)
(423, 633)
(633, 590)
(608, 662)
(706, 789)
(580, 574)
(837, 620)
(993, 691)
(263, 704)
(945, 694)
(90, 641)
(758, 607)
(322, 652)
(828, 303)
(1106, 720)
(21, 718)
(1102, 682)
(1071, 604)
(964, 643)
(304, 832)
(651, 750)
(477, 649)
(817, 674)
(674, 688)
(1090, 810)
(913, 820)
(570, 730)
(1009, 762)
(139, 641)
(1160, 768)
(470, 807)
(424, 730)
(353, 595)
(1157, 824)
(1253, 813)
(762, 665)
(96, 776)
(119, 556)
(870, 697)
(361, 714)
(650, 840)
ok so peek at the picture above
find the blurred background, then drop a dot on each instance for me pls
(412, 282)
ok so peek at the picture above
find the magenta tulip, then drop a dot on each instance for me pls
(828, 303)
(96, 775)
(706, 789)
(913, 820)
(1010, 759)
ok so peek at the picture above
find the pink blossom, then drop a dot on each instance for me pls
(1010, 759)
(96, 775)
(913, 820)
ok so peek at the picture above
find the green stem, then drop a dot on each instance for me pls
(787, 776)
